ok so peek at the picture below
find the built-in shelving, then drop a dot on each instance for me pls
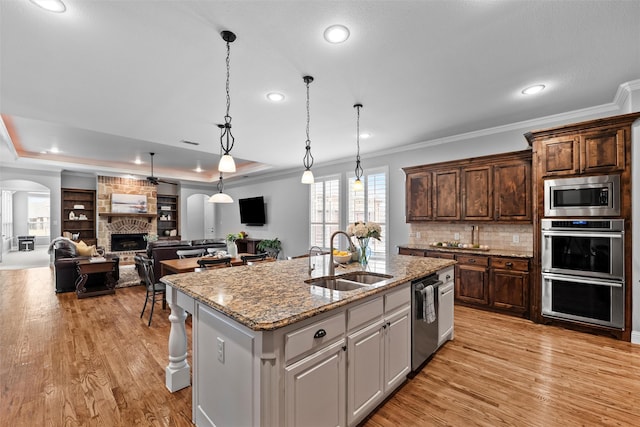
(168, 216)
(82, 222)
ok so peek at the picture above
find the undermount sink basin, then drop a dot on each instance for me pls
(348, 281)
(335, 284)
(365, 277)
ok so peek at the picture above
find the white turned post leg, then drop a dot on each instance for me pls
(178, 371)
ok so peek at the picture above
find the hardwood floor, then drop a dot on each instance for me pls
(65, 361)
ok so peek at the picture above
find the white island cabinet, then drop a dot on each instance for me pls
(326, 366)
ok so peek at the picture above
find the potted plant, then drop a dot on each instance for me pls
(232, 248)
(270, 246)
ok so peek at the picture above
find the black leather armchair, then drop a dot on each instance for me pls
(66, 274)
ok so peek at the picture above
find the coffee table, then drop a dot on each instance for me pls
(106, 267)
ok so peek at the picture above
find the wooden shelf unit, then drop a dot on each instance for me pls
(171, 215)
(86, 229)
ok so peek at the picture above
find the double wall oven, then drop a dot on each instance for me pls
(582, 261)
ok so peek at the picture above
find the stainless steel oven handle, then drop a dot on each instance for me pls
(581, 280)
(576, 233)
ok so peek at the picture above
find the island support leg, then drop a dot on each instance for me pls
(178, 371)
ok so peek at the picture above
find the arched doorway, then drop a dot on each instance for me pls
(25, 210)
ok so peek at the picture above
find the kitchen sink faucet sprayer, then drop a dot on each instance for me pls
(313, 250)
(352, 249)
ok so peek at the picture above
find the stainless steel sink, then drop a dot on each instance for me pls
(335, 284)
(364, 277)
(348, 281)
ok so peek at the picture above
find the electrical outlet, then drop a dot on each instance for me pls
(417, 234)
(516, 238)
(220, 350)
(456, 236)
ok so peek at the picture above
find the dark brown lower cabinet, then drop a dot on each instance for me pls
(509, 288)
(497, 283)
(472, 279)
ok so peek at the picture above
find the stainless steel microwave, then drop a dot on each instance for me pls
(582, 196)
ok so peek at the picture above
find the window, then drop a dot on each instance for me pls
(370, 205)
(324, 210)
(38, 214)
(7, 214)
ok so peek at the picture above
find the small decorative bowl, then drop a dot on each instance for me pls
(342, 259)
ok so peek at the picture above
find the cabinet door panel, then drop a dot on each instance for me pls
(446, 194)
(477, 201)
(509, 290)
(315, 388)
(397, 348)
(366, 364)
(471, 284)
(602, 151)
(513, 192)
(445, 313)
(560, 156)
(418, 196)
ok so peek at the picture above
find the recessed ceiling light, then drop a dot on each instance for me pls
(365, 135)
(137, 161)
(198, 169)
(533, 89)
(50, 5)
(336, 34)
(275, 96)
(54, 150)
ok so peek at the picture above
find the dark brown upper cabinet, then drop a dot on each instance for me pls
(418, 203)
(446, 194)
(490, 188)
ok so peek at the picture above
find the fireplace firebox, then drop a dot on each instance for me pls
(128, 242)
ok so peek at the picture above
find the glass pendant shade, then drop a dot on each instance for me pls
(227, 164)
(307, 177)
(358, 185)
(220, 198)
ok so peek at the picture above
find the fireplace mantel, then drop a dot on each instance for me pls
(111, 215)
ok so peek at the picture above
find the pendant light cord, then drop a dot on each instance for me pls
(226, 138)
(308, 158)
(358, 167)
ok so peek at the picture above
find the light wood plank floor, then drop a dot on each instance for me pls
(65, 361)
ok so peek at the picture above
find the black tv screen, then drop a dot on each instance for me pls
(252, 211)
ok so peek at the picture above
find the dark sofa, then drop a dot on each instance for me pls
(161, 250)
(66, 274)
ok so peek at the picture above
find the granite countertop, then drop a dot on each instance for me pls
(492, 252)
(268, 296)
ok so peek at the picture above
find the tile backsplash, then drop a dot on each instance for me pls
(496, 236)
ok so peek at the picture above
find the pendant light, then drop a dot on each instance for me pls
(307, 160)
(227, 164)
(220, 196)
(358, 184)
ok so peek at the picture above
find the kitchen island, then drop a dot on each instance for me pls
(272, 350)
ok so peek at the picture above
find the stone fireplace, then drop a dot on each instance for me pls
(112, 225)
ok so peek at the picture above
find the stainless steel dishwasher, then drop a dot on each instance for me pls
(424, 319)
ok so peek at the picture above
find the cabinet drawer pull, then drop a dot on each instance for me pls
(320, 333)
(472, 261)
(509, 264)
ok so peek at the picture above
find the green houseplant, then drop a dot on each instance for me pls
(270, 246)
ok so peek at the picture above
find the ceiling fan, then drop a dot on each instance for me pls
(152, 179)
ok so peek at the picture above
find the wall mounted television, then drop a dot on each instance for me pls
(252, 211)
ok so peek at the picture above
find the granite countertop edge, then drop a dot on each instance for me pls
(493, 252)
(273, 295)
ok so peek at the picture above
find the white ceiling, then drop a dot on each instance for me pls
(111, 80)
